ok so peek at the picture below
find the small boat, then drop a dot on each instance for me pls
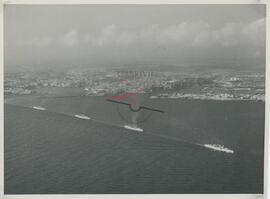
(133, 128)
(39, 108)
(218, 147)
(81, 116)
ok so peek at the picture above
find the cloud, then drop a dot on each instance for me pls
(180, 33)
(107, 35)
(70, 38)
(182, 42)
(42, 42)
(196, 34)
(255, 31)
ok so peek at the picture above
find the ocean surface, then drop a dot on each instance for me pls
(52, 152)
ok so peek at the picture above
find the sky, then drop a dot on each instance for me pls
(44, 36)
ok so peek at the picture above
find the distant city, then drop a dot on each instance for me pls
(213, 85)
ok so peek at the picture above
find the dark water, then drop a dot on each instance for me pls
(47, 152)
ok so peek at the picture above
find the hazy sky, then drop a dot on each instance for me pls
(90, 35)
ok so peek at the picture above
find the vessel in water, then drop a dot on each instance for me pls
(133, 128)
(39, 108)
(81, 116)
(218, 147)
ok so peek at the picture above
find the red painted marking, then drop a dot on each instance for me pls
(126, 96)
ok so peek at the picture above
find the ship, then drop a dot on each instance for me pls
(39, 108)
(81, 116)
(133, 128)
(218, 147)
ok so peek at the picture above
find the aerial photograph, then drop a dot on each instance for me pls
(134, 99)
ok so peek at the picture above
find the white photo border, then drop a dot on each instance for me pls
(133, 196)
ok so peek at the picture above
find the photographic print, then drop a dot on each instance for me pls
(134, 99)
